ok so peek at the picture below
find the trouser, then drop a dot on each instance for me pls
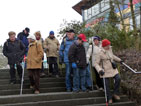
(13, 72)
(68, 76)
(34, 77)
(88, 77)
(79, 76)
(53, 66)
(99, 81)
(42, 70)
(116, 86)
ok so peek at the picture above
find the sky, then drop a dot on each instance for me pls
(38, 15)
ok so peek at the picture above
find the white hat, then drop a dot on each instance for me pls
(32, 37)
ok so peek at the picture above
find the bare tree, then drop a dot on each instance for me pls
(133, 17)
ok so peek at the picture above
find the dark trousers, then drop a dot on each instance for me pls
(99, 81)
(116, 86)
(53, 66)
(42, 70)
(34, 77)
(13, 72)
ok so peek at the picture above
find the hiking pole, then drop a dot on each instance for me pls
(21, 91)
(130, 68)
(105, 91)
(90, 66)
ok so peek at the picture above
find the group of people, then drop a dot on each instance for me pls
(75, 52)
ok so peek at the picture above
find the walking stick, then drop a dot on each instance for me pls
(90, 66)
(105, 91)
(23, 65)
(130, 68)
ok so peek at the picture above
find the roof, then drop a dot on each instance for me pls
(85, 4)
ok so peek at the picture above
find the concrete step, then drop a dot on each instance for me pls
(128, 103)
(65, 102)
(42, 80)
(48, 97)
(30, 91)
(26, 86)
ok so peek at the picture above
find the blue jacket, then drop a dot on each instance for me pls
(23, 37)
(64, 48)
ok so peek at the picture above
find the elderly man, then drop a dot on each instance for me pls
(51, 46)
(14, 50)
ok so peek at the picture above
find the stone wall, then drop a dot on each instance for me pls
(131, 83)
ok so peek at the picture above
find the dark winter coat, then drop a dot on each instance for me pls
(77, 54)
(23, 37)
(14, 51)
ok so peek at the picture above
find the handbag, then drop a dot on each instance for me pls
(114, 65)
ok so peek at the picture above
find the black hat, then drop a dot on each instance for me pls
(71, 30)
(66, 31)
(27, 29)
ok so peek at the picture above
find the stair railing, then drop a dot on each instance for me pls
(136, 72)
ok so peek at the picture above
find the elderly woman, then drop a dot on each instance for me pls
(34, 62)
(40, 40)
(106, 67)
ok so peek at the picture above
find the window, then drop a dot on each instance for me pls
(85, 15)
(104, 5)
(95, 10)
(89, 13)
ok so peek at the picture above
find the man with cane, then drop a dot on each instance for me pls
(107, 68)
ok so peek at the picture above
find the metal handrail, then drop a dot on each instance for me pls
(131, 68)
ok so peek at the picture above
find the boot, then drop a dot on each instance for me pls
(116, 97)
(110, 101)
(36, 92)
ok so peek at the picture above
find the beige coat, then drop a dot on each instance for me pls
(93, 52)
(52, 47)
(35, 55)
(104, 58)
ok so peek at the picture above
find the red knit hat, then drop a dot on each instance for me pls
(105, 42)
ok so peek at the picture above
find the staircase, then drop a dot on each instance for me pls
(52, 94)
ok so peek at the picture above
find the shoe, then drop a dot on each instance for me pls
(36, 92)
(101, 89)
(68, 90)
(42, 75)
(85, 90)
(13, 82)
(116, 97)
(89, 88)
(31, 87)
(76, 91)
(110, 101)
(57, 76)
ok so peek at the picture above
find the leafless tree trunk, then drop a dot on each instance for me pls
(133, 17)
(121, 15)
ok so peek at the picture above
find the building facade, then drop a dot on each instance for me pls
(95, 11)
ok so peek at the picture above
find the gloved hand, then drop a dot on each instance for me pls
(101, 72)
(74, 65)
(121, 61)
(87, 60)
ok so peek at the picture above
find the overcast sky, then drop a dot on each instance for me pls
(38, 15)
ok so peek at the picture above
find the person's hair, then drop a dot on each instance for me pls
(11, 33)
(37, 33)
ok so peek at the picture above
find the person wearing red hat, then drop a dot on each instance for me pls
(106, 67)
(77, 57)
